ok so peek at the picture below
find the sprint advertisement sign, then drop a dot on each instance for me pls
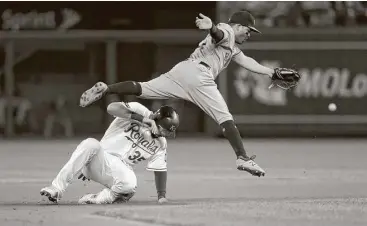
(39, 20)
(330, 76)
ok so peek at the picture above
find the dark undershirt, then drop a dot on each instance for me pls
(217, 34)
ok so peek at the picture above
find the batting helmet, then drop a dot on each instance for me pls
(167, 121)
(244, 18)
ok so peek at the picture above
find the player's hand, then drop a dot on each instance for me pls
(203, 22)
(152, 125)
(162, 200)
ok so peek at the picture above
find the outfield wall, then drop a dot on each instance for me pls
(330, 60)
(333, 68)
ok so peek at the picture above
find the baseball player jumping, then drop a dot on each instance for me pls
(135, 135)
(194, 79)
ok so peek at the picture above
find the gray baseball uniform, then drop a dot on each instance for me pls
(193, 79)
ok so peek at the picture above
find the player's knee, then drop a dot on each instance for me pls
(224, 119)
(129, 188)
(137, 87)
(125, 188)
(92, 145)
(132, 87)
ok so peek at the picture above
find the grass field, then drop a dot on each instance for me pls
(308, 182)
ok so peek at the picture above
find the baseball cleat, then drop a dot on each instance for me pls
(248, 165)
(93, 94)
(88, 199)
(125, 197)
(53, 194)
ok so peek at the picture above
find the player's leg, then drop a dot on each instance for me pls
(173, 84)
(210, 100)
(176, 83)
(119, 179)
(82, 156)
(162, 87)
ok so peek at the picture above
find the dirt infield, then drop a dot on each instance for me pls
(308, 182)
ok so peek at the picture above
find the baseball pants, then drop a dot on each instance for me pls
(96, 164)
(193, 82)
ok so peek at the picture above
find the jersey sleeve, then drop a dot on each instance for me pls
(229, 37)
(138, 108)
(158, 162)
(236, 51)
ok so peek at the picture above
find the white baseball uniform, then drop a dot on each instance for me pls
(193, 79)
(110, 160)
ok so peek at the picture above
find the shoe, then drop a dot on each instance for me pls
(93, 94)
(124, 197)
(92, 199)
(88, 199)
(248, 165)
(53, 194)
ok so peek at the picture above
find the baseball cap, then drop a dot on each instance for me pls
(244, 18)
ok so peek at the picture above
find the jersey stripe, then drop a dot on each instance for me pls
(154, 169)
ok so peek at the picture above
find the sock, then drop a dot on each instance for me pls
(125, 88)
(231, 132)
(160, 183)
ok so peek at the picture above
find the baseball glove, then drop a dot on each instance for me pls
(285, 78)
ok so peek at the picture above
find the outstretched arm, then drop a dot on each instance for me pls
(205, 23)
(252, 65)
(124, 110)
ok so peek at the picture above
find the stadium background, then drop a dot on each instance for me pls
(52, 51)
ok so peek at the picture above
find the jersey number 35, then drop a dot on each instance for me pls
(136, 157)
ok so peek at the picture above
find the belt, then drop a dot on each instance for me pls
(205, 64)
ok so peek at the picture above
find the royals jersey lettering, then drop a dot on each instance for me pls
(217, 55)
(124, 138)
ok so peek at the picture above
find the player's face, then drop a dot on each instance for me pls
(165, 132)
(242, 33)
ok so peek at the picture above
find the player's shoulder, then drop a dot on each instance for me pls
(225, 26)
